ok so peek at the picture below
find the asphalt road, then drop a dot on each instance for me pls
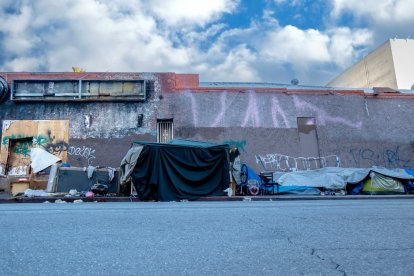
(361, 237)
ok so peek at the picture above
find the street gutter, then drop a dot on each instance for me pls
(205, 199)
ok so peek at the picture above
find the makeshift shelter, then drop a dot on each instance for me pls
(382, 180)
(181, 169)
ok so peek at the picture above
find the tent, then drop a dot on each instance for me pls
(381, 184)
(181, 169)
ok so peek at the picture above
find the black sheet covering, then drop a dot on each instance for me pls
(181, 170)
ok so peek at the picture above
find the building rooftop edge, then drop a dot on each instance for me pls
(191, 81)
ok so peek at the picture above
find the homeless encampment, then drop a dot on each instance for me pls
(381, 180)
(181, 169)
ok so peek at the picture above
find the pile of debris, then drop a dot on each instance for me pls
(48, 176)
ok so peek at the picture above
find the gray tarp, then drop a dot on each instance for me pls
(333, 177)
(129, 161)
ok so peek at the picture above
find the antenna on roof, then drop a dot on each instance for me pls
(294, 82)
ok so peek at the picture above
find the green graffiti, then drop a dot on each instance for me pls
(23, 148)
(39, 140)
(5, 140)
(238, 144)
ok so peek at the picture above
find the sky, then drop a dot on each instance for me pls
(222, 40)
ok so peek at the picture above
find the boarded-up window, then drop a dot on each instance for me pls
(82, 89)
(19, 136)
(165, 130)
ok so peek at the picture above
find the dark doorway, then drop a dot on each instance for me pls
(18, 160)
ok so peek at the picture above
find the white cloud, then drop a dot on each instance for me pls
(174, 35)
(236, 66)
(378, 11)
(384, 19)
(105, 35)
(23, 63)
(15, 27)
(345, 42)
(305, 48)
(292, 45)
(291, 2)
(175, 12)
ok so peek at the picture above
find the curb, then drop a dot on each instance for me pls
(292, 198)
(207, 199)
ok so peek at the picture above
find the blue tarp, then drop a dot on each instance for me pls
(410, 172)
(335, 178)
(251, 174)
(303, 190)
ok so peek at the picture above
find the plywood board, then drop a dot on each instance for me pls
(50, 135)
(19, 188)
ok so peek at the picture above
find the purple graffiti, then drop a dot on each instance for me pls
(220, 116)
(277, 110)
(322, 116)
(252, 113)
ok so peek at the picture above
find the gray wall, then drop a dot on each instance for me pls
(358, 131)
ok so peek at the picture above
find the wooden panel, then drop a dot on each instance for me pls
(50, 135)
(19, 188)
(57, 133)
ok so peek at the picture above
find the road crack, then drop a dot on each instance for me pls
(313, 251)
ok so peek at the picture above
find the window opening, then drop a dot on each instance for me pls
(165, 130)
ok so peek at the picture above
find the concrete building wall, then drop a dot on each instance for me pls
(360, 131)
(357, 129)
(112, 126)
(403, 55)
(374, 70)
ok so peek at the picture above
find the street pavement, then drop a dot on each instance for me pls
(338, 237)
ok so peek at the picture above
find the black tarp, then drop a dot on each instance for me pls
(182, 169)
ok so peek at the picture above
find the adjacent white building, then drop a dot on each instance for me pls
(390, 65)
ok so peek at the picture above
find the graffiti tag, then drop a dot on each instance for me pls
(284, 163)
(389, 158)
(56, 148)
(83, 152)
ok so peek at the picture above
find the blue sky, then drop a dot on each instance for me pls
(222, 40)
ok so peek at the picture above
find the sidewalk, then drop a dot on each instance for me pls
(206, 199)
